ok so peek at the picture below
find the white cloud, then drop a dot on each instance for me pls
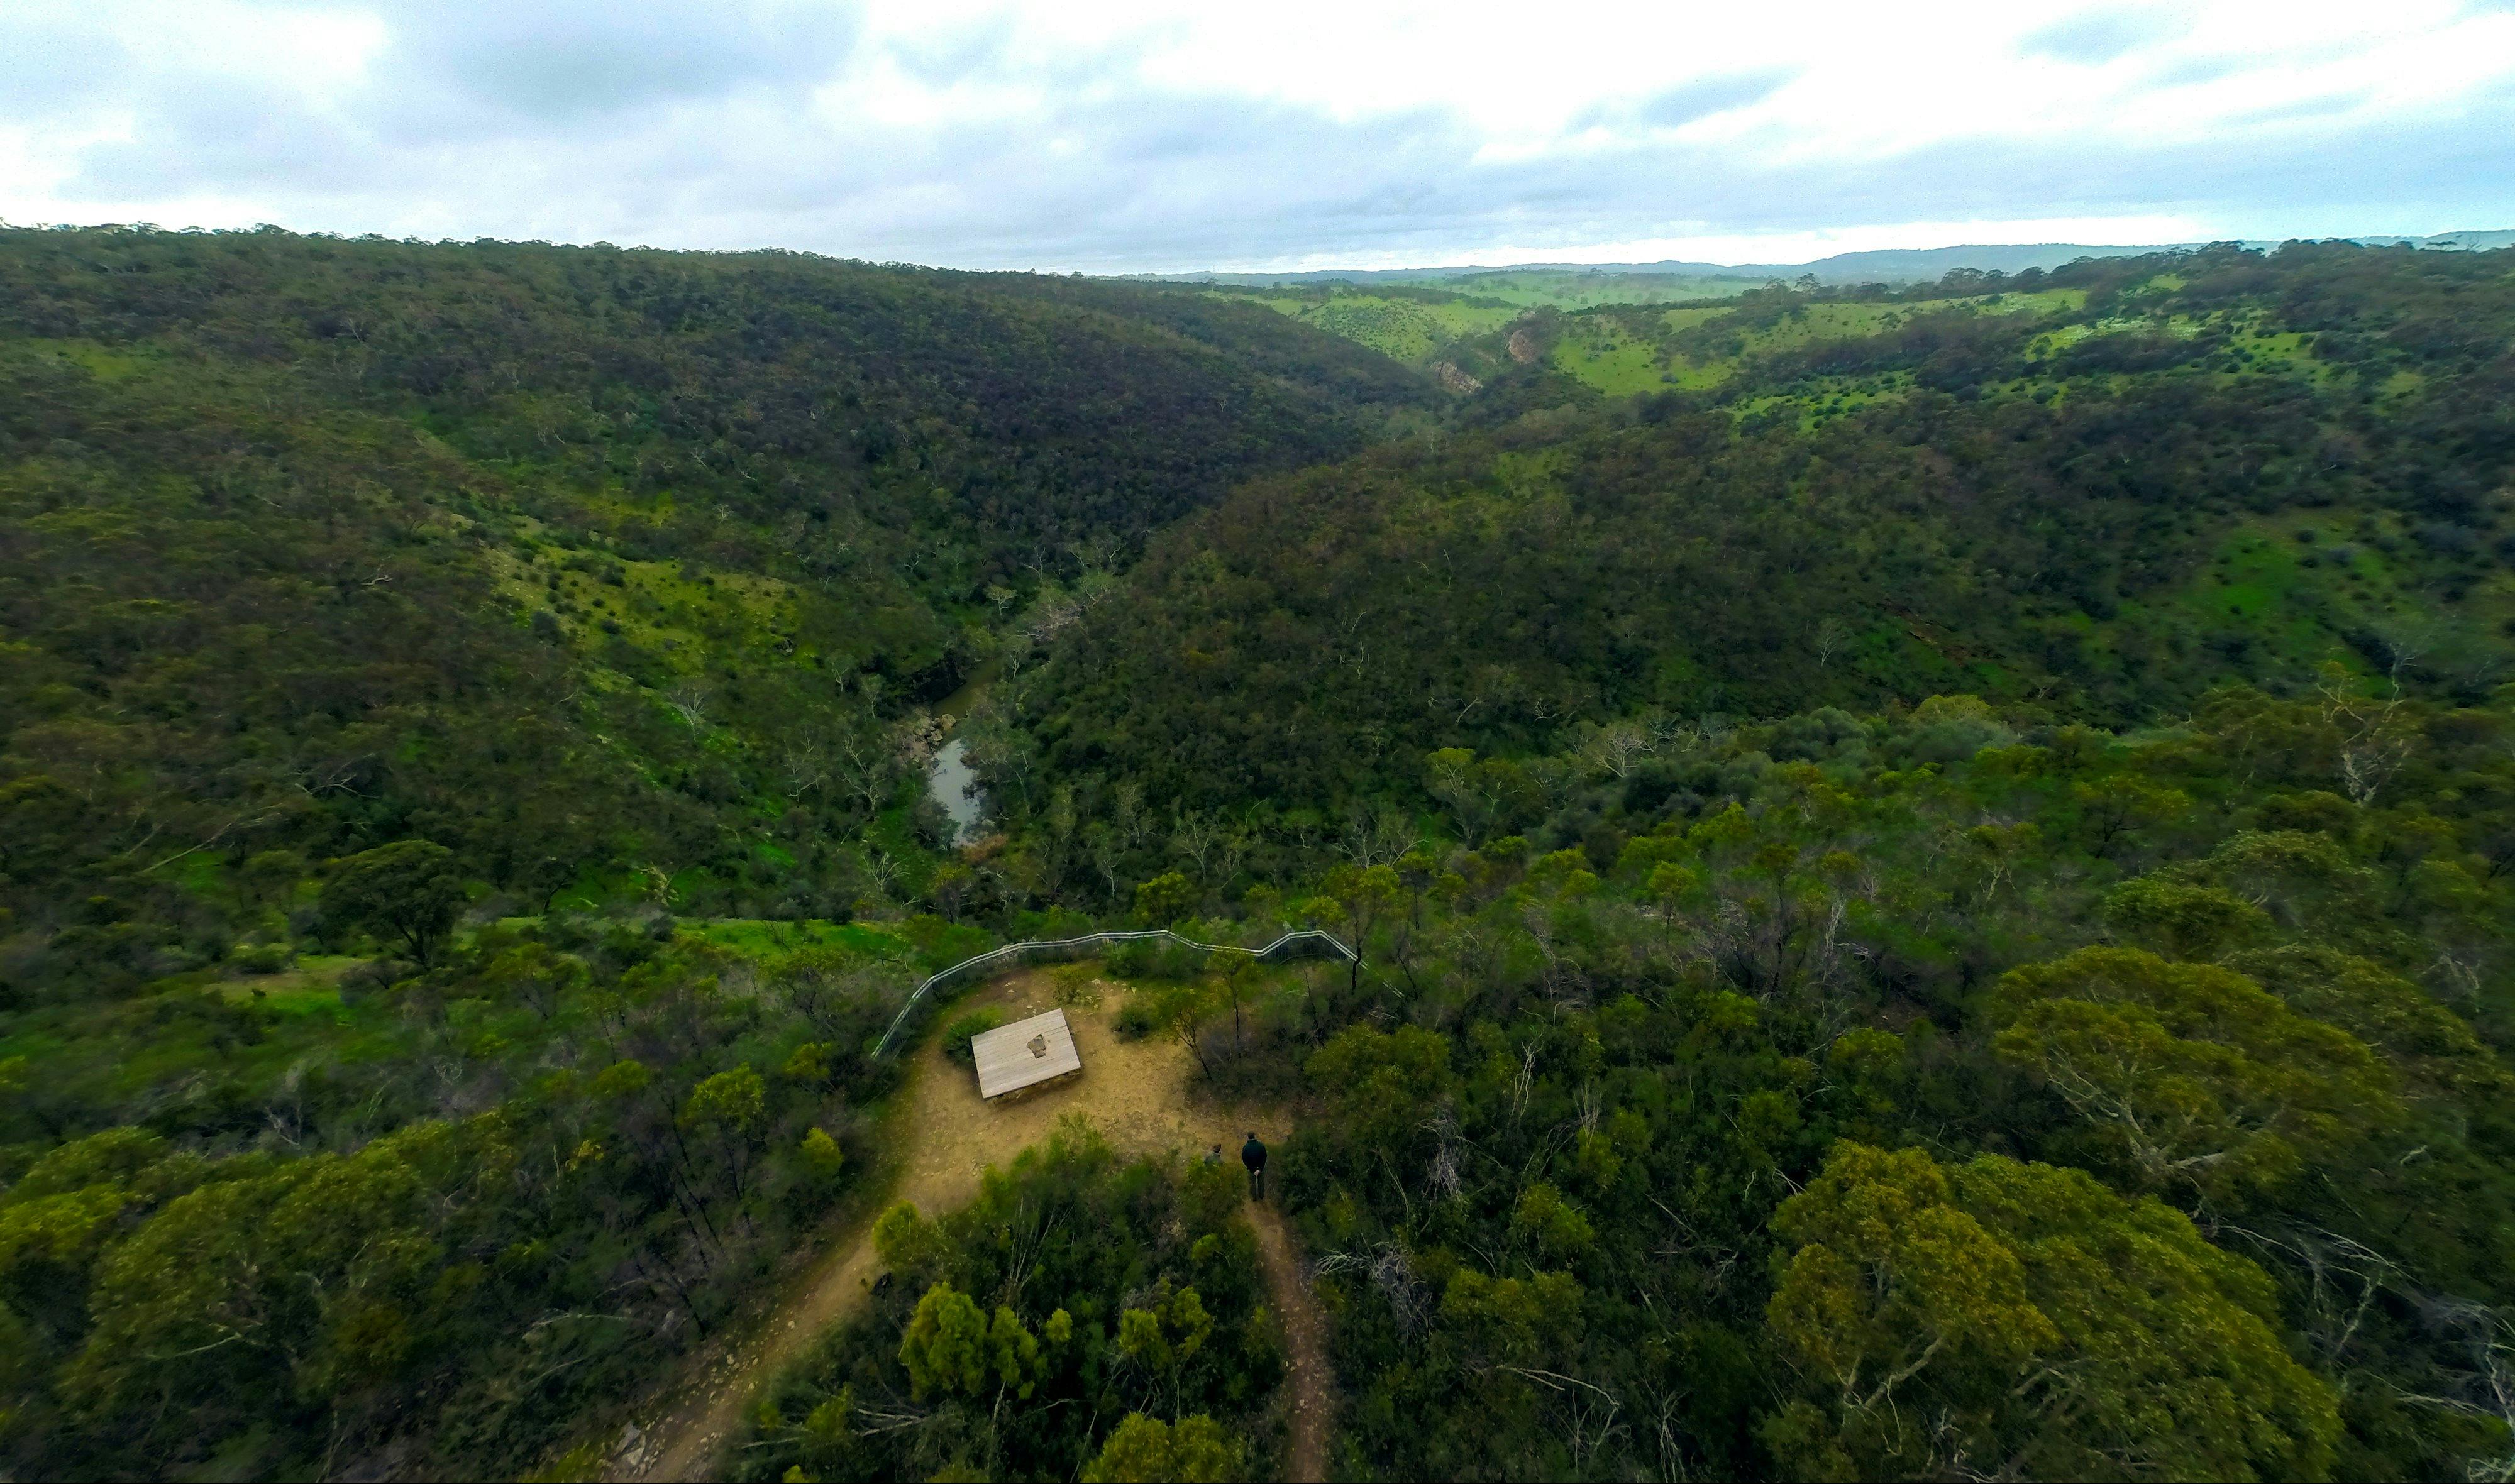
(1162, 133)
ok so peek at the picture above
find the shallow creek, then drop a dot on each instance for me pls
(955, 787)
(949, 780)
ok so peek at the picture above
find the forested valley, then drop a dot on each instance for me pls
(1932, 866)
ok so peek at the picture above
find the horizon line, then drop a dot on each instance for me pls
(1466, 264)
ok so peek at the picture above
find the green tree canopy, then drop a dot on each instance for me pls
(2198, 1077)
(1145, 1450)
(2022, 1319)
(407, 894)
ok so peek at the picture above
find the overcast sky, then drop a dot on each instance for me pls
(1150, 134)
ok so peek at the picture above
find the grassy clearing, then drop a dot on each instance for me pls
(2063, 337)
(1599, 339)
(207, 1038)
(2298, 587)
(1700, 347)
(309, 985)
(660, 606)
(1584, 288)
(1831, 398)
(230, 1040)
(770, 938)
(1417, 324)
(760, 938)
(97, 360)
(1608, 357)
(1403, 327)
(1703, 346)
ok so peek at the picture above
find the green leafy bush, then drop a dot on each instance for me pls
(961, 1028)
(1135, 1019)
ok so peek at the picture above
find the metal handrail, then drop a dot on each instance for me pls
(1297, 937)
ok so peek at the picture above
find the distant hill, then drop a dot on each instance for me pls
(1902, 265)
(2077, 483)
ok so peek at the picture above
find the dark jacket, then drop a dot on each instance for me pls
(1254, 1155)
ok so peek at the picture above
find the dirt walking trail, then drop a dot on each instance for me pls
(1135, 1093)
(1305, 1348)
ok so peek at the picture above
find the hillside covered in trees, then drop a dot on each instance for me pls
(2100, 494)
(1934, 865)
(587, 565)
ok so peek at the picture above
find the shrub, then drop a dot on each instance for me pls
(967, 1025)
(260, 957)
(1135, 1020)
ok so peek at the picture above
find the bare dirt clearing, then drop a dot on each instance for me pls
(1135, 1093)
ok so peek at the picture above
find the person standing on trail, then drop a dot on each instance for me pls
(1254, 1155)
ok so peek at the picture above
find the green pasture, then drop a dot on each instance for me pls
(660, 606)
(1700, 347)
(1697, 342)
(104, 363)
(1607, 357)
(2300, 584)
(1409, 327)
(1584, 288)
(1824, 400)
(217, 1042)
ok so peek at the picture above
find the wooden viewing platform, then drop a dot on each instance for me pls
(1024, 1053)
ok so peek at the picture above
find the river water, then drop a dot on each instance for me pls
(955, 788)
(949, 780)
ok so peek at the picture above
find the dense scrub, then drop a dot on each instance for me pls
(1084, 1317)
(779, 384)
(2192, 1069)
(422, 1224)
